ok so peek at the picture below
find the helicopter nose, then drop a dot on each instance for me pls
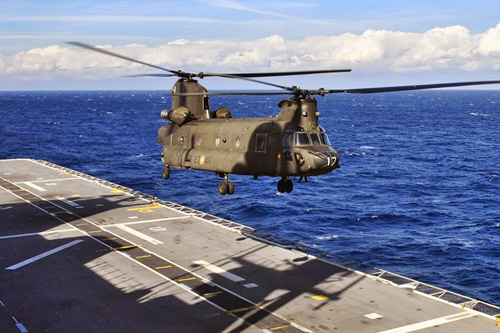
(326, 160)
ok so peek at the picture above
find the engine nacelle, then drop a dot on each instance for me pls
(178, 116)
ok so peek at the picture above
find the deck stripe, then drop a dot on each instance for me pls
(139, 234)
(36, 187)
(430, 323)
(220, 271)
(43, 255)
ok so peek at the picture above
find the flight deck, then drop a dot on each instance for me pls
(80, 254)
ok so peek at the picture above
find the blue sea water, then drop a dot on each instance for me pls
(418, 191)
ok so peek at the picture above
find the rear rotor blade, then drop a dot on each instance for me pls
(234, 93)
(150, 75)
(408, 88)
(231, 76)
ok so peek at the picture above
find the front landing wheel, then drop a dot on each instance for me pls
(285, 185)
(223, 187)
(226, 187)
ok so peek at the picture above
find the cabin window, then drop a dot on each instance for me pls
(260, 142)
(301, 139)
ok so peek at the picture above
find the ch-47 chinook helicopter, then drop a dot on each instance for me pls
(292, 144)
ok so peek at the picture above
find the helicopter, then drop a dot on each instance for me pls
(290, 144)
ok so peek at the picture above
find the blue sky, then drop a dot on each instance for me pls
(256, 36)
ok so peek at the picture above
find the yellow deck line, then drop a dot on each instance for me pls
(141, 257)
(163, 267)
(186, 279)
(125, 247)
(279, 327)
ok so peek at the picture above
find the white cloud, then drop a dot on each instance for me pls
(451, 48)
(489, 43)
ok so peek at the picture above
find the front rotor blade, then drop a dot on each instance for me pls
(151, 75)
(116, 55)
(270, 74)
(407, 88)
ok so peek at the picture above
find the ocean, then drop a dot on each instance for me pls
(418, 191)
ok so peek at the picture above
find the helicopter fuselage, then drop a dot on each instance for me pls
(247, 146)
(287, 145)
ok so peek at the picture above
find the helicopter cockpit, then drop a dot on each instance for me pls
(300, 137)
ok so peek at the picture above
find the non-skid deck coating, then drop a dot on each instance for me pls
(80, 254)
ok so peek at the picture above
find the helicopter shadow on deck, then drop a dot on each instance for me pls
(292, 288)
(93, 287)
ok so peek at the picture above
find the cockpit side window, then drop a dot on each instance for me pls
(301, 139)
(325, 139)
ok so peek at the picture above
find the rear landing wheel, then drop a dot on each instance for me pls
(166, 173)
(285, 185)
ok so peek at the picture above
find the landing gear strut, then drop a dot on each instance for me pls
(285, 185)
(225, 186)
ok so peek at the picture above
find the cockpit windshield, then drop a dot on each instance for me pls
(305, 139)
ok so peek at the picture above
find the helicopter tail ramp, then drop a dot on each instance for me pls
(78, 253)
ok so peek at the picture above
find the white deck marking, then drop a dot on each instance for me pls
(220, 271)
(37, 233)
(36, 187)
(139, 234)
(430, 323)
(21, 328)
(47, 180)
(250, 285)
(157, 229)
(69, 202)
(147, 221)
(43, 255)
(373, 316)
